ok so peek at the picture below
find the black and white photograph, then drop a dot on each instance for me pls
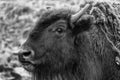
(59, 39)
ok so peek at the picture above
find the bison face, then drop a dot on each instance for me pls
(58, 45)
(50, 49)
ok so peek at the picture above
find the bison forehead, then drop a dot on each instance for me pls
(49, 17)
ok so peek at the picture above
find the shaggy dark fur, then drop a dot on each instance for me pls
(84, 50)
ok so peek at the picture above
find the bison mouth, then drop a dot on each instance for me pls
(28, 66)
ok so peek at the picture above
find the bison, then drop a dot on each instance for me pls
(69, 45)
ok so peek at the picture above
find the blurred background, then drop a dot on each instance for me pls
(17, 17)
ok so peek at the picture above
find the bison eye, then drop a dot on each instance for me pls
(59, 30)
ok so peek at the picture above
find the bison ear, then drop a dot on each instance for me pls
(83, 24)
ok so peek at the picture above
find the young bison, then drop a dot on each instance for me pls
(73, 46)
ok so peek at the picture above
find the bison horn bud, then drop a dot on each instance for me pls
(76, 16)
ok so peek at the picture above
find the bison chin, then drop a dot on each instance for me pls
(29, 67)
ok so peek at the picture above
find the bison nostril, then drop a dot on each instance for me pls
(27, 54)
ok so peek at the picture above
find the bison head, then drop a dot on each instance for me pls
(68, 46)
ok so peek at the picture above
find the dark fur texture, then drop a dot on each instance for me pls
(80, 51)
